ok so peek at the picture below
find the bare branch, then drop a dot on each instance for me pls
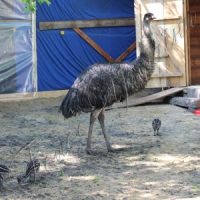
(23, 147)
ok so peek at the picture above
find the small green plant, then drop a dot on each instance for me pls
(143, 158)
(78, 190)
(196, 188)
(16, 187)
(10, 136)
(34, 134)
(61, 173)
(46, 183)
(96, 179)
(49, 118)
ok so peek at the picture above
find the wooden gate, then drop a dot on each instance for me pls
(169, 29)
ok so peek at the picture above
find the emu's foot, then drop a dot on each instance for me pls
(90, 152)
(111, 150)
(31, 181)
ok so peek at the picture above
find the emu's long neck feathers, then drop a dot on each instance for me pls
(138, 72)
(147, 45)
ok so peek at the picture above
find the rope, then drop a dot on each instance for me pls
(195, 21)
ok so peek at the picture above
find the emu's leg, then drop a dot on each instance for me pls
(101, 121)
(154, 133)
(93, 116)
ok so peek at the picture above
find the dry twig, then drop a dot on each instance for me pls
(23, 147)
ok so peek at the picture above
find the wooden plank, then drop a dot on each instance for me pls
(185, 102)
(19, 20)
(174, 74)
(195, 81)
(194, 32)
(162, 56)
(194, 2)
(126, 53)
(86, 23)
(93, 44)
(195, 52)
(195, 41)
(195, 73)
(187, 42)
(193, 6)
(167, 18)
(196, 70)
(195, 62)
(147, 99)
(31, 95)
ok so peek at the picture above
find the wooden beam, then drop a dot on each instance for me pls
(19, 20)
(94, 45)
(167, 18)
(86, 23)
(175, 74)
(162, 56)
(126, 53)
(147, 99)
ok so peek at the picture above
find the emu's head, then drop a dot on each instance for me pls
(148, 17)
(21, 178)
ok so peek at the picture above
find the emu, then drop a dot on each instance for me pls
(103, 84)
(156, 124)
(4, 172)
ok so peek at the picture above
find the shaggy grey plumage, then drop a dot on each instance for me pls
(102, 84)
(156, 124)
(31, 170)
(4, 172)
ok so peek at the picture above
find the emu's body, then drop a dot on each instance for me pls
(4, 172)
(156, 124)
(31, 170)
(102, 84)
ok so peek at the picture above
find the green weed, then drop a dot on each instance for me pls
(96, 179)
(61, 173)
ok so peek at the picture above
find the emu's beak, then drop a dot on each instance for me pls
(153, 17)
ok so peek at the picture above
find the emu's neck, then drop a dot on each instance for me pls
(147, 45)
(147, 29)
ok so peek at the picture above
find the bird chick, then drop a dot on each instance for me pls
(4, 171)
(1, 182)
(31, 170)
(156, 124)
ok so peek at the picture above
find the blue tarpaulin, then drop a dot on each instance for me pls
(62, 57)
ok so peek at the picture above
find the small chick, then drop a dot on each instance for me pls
(31, 169)
(4, 171)
(1, 182)
(156, 124)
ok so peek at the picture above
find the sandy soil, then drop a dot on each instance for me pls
(160, 167)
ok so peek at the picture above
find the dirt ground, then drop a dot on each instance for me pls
(160, 167)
